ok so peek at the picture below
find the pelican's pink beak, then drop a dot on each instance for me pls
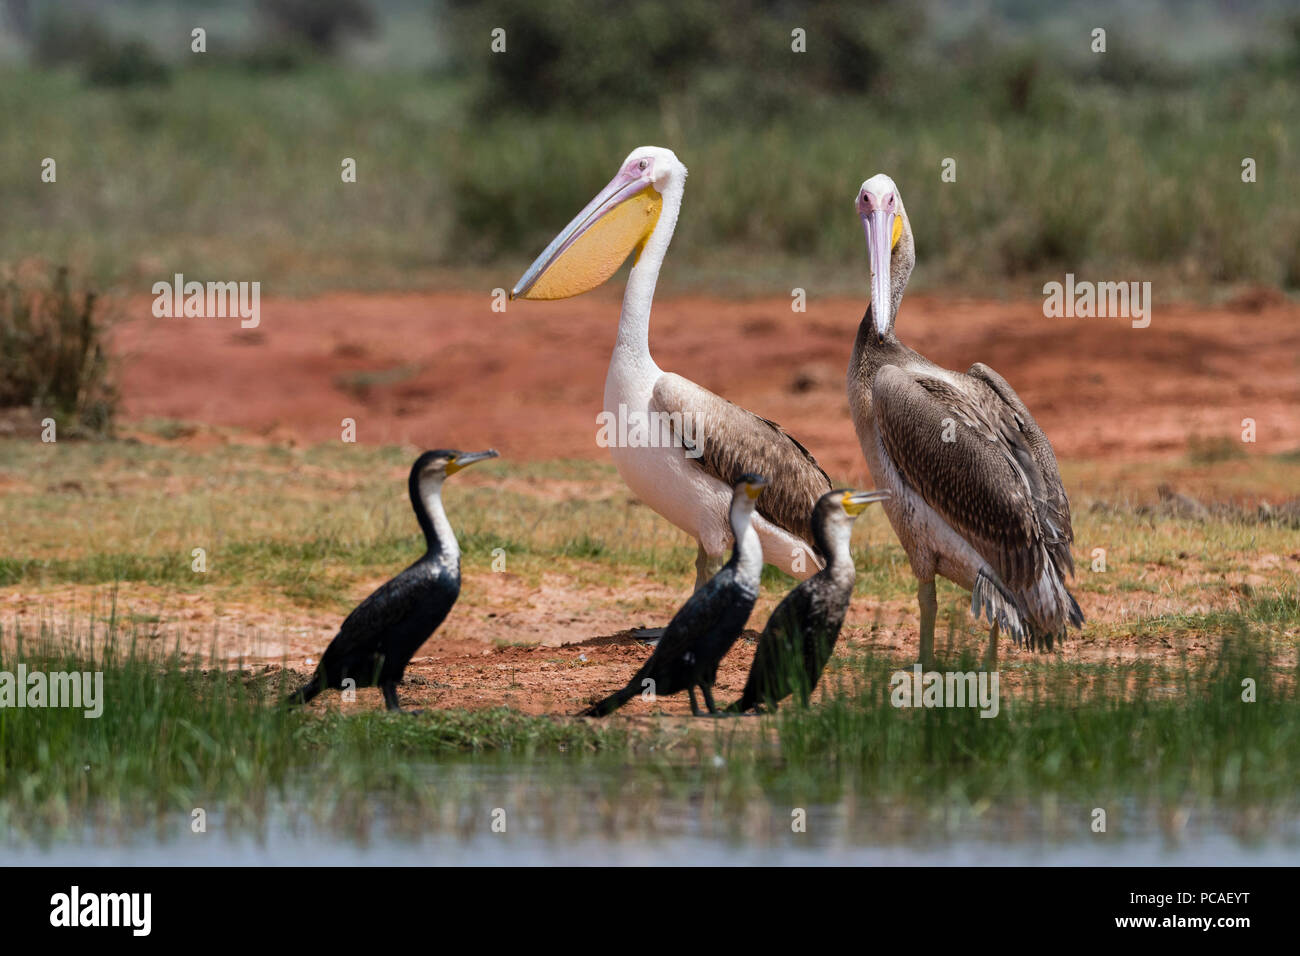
(878, 209)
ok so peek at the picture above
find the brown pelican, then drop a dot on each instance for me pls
(977, 496)
(684, 446)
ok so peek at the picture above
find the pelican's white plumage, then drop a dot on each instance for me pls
(692, 491)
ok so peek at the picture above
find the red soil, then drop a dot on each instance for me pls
(445, 370)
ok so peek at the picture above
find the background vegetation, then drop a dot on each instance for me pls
(52, 350)
(1123, 164)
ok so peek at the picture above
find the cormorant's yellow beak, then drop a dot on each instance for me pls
(465, 459)
(753, 486)
(593, 246)
(856, 502)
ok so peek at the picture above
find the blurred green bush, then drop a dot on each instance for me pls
(320, 24)
(70, 37)
(573, 57)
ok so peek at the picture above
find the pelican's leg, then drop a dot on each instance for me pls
(991, 658)
(701, 563)
(706, 567)
(925, 596)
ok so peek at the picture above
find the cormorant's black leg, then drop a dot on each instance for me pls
(695, 707)
(390, 698)
(707, 691)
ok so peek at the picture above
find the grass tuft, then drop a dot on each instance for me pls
(53, 358)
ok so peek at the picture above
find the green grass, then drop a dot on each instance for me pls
(177, 734)
(1144, 730)
(304, 532)
(316, 526)
(308, 523)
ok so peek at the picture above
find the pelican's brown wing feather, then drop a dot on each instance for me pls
(1050, 499)
(951, 445)
(733, 441)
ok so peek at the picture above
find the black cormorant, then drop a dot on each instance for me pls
(379, 638)
(801, 633)
(701, 633)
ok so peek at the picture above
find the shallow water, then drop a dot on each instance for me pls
(576, 812)
(281, 848)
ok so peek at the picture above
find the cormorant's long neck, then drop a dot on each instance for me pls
(748, 555)
(633, 343)
(426, 499)
(834, 543)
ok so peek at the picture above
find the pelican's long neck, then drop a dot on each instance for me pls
(426, 499)
(871, 350)
(902, 261)
(633, 343)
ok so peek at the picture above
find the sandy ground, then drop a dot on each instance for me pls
(465, 666)
(446, 370)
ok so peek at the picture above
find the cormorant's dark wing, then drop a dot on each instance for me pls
(956, 445)
(733, 441)
(1049, 496)
(702, 612)
(781, 637)
(382, 613)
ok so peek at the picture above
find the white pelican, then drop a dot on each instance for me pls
(977, 496)
(716, 441)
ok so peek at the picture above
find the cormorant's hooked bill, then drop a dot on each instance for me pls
(855, 502)
(451, 460)
(752, 483)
